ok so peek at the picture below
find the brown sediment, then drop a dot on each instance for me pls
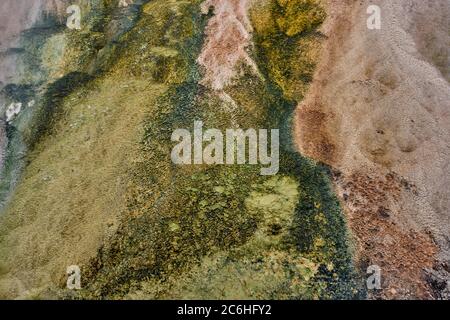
(383, 240)
(377, 112)
(319, 142)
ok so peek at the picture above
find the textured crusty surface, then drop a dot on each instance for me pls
(378, 112)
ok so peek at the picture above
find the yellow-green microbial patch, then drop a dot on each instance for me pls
(297, 16)
(266, 266)
(288, 42)
(72, 193)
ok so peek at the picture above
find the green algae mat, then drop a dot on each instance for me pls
(97, 187)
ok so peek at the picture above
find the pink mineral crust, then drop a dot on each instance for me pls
(228, 37)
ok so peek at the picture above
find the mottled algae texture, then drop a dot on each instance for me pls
(89, 181)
